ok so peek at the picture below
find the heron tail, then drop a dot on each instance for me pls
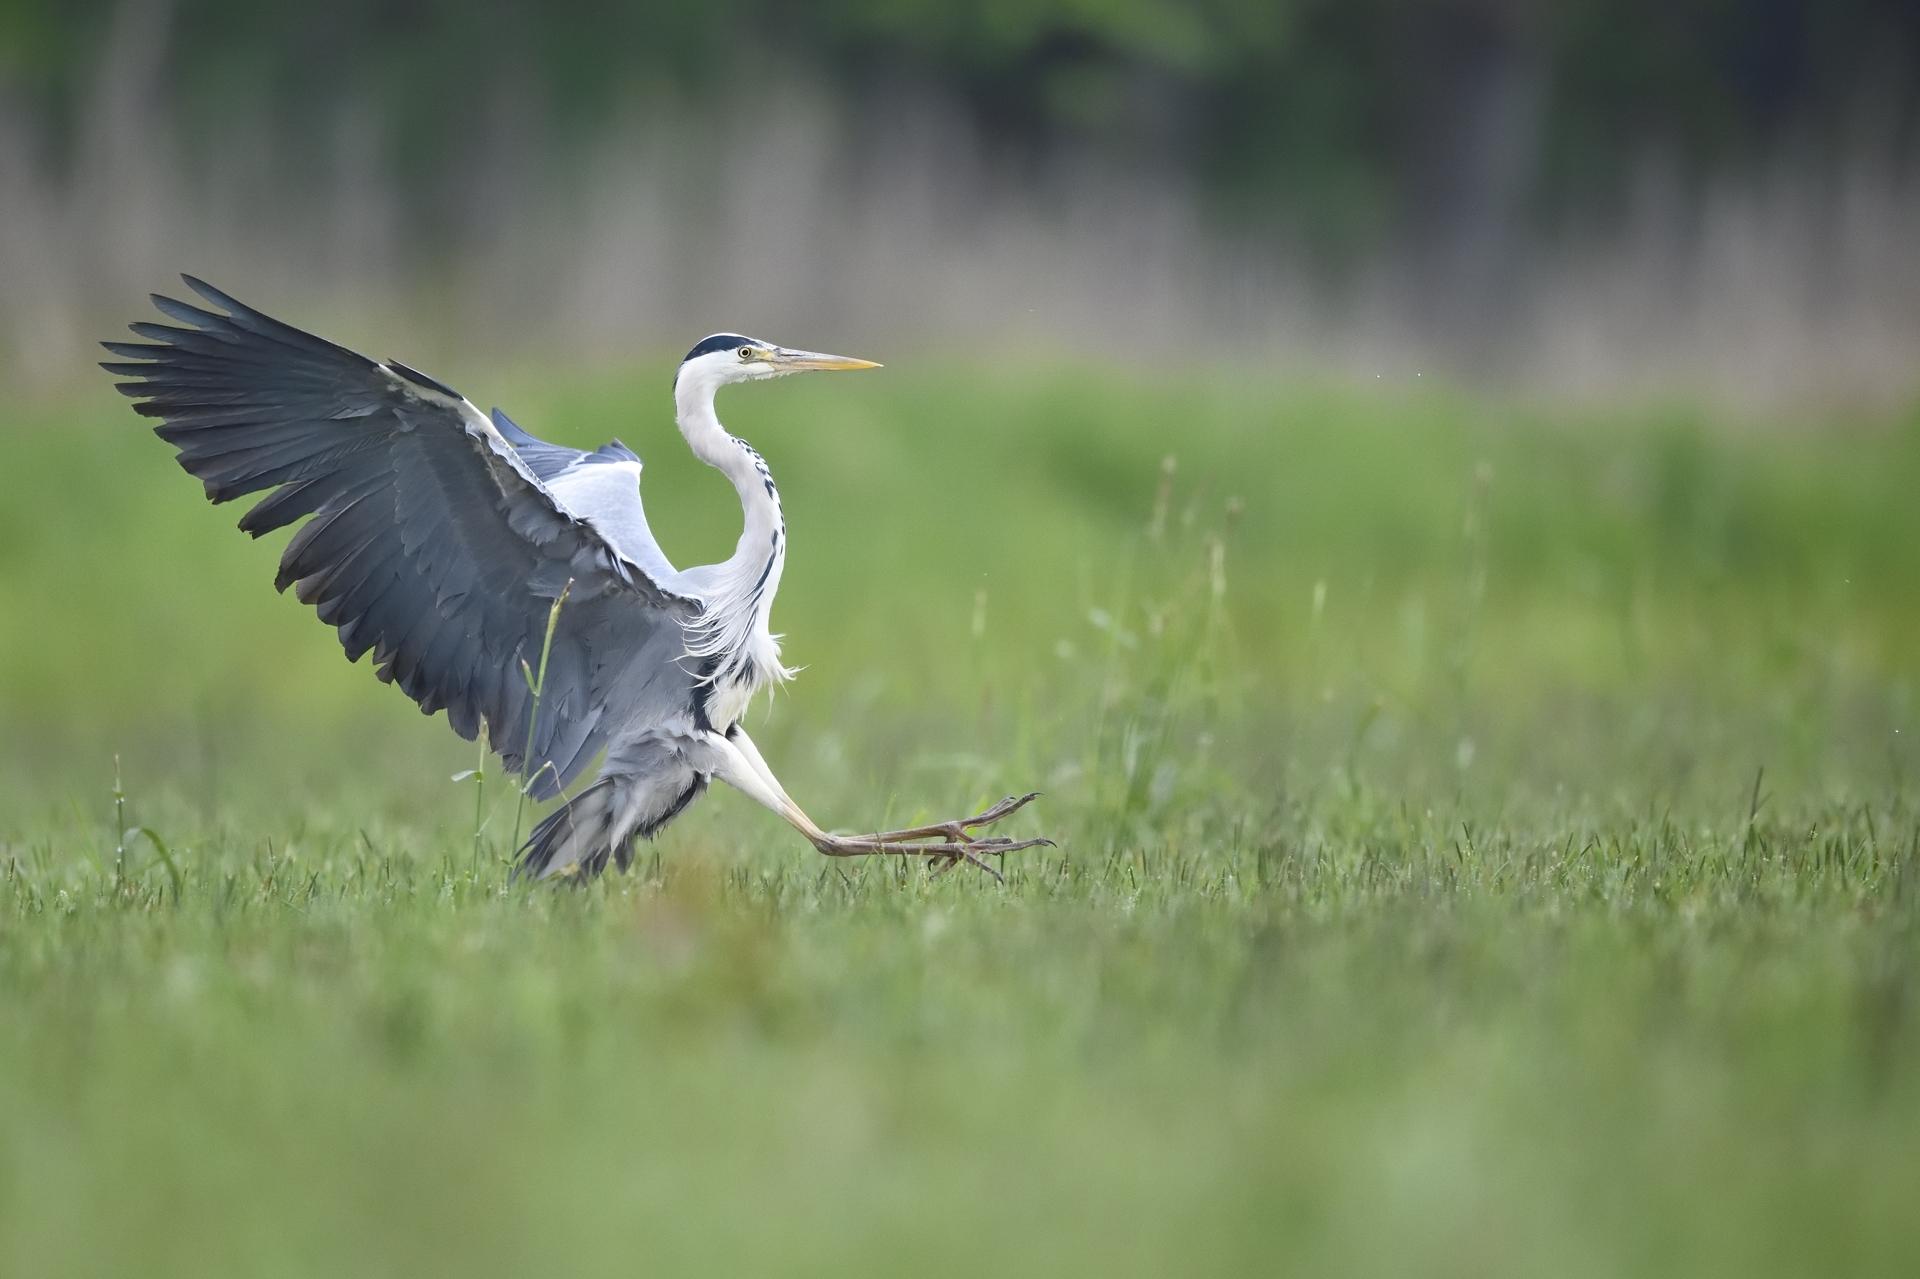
(579, 837)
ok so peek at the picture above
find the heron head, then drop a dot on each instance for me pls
(729, 357)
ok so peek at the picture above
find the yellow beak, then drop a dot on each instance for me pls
(807, 361)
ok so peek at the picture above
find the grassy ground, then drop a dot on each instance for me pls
(1488, 846)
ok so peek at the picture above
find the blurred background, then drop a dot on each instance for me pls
(1695, 197)
(1428, 490)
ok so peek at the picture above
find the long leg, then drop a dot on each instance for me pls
(758, 763)
(738, 762)
(951, 830)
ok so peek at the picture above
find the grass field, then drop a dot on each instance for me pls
(1489, 844)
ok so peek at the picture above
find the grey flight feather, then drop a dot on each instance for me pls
(435, 537)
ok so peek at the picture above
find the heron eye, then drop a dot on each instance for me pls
(749, 353)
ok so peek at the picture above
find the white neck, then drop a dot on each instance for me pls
(734, 458)
(739, 592)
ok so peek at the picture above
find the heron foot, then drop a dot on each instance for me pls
(944, 844)
(956, 831)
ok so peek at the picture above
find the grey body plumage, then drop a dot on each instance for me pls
(437, 538)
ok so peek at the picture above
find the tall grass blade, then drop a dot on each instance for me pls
(536, 684)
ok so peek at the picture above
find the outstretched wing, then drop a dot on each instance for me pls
(430, 541)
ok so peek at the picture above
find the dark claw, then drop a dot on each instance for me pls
(947, 861)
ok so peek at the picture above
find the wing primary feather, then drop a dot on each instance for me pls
(423, 533)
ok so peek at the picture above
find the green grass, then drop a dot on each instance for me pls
(1488, 846)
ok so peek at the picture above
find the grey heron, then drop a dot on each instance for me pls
(440, 539)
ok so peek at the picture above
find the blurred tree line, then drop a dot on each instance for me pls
(1351, 115)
